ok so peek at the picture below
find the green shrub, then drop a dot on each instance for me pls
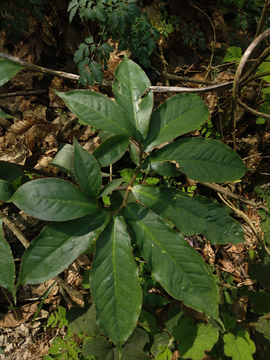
(122, 21)
(139, 213)
(13, 20)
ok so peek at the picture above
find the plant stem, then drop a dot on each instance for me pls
(263, 18)
(246, 218)
(129, 188)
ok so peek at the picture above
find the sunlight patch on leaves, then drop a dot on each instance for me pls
(195, 339)
(239, 347)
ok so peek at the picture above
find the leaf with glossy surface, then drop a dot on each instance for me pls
(176, 116)
(164, 168)
(129, 88)
(201, 159)
(9, 172)
(53, 199)
(111, 150)
(58, 245)
(134, 154)
(108, 188)
(64, 159)
(87, 171)
(8, 69)
(183, 273)
(7, 266)
(99, 111)
(114, 283)
(191, 215)
(6, 190)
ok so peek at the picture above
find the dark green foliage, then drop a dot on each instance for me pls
(192, 37)
(246, 17)
(14, 20)
(123, 21)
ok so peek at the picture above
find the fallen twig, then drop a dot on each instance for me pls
(226, 192)
(246, 218)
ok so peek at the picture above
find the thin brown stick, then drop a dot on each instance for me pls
(164, 63)
(218, 87)
(23, 93)
(236, 83)
(264, 55)
(263, 18)
(226, 192)
(190, 80)
(37, 68)
(16, 231)
(246, 218)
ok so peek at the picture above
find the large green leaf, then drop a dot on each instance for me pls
(174, 263)
(87, 171)
(99, 111)
(100, 348)
(58, 245)
(201, 159)
(164, 168)
(132, 350)
(176, 116)
(8, 69)
(7, 267)
(195, 339)
(9, 172)
(111, 150)
(6, 190)
(114, 283)
(130, 87)
(191, 215)
(239, 346)
(83, 319)
(53, 199)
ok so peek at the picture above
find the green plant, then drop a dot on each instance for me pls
(121, 20)
(141, 40)
(138, 213)
(70, 346)
(207, 129)
(246, 17)
(192, 37)
(167, 23)
(57, 318)
(234, 53)
(14, 20)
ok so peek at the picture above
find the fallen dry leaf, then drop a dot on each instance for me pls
(18, 316)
